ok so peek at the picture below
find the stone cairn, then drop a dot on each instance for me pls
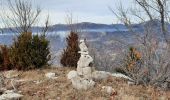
(83, 78)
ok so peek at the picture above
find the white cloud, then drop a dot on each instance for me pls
(83, 10)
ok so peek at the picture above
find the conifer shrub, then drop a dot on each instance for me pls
(4, 58)
(40, 52)
(29, 52)
(70, 55)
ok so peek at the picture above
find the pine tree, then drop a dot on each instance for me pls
(70, 55)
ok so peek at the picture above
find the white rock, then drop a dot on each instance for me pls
(50, 75)
(130, 83)
(87, 72)
(84, 61)
(108, 89)
(98, 75)
(83, 46)
(82, 84)
(72, 74)
(82, 78)
(83, 53)
(121, 76)
(38, 81)
(10, 95)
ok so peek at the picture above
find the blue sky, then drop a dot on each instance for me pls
(82, 10)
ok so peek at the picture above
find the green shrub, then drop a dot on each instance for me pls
(70, 55)
(40, 52)
(29, 52)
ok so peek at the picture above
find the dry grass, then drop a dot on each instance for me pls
(61, 89)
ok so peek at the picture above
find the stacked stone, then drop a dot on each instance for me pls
(83, 65)
(82, 79)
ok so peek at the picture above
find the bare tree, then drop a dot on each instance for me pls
(152, 44)
(159, 6)
(21, 16)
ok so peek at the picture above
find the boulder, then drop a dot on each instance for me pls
(81, 83)
(10, 95)
(99, 75)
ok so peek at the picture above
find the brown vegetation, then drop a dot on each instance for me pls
(154, 66)
(29, 52)
(5, 63)
(70, 55)
(35, 86)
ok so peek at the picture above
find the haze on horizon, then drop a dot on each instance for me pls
(95, 11)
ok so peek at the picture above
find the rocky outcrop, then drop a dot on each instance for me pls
(10, 95)
(80, 83)
(99, 75)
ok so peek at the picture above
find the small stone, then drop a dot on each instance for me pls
(109, 90)
(58, 98)
(51, 75)
(130, 83)
(72, 74)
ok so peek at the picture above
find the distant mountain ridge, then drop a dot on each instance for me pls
(89, 25)
(66, 27)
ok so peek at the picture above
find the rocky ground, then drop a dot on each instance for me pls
(34, 85)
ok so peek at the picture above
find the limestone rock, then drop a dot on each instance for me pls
(82, 78)
(81, 83)
(122, 76)
(87, 72)
(51, 75)
(108, 89)
(84, 61)
(10, 95)
(130, 83)
(98, 75)
(83, 46)
(72, 74)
